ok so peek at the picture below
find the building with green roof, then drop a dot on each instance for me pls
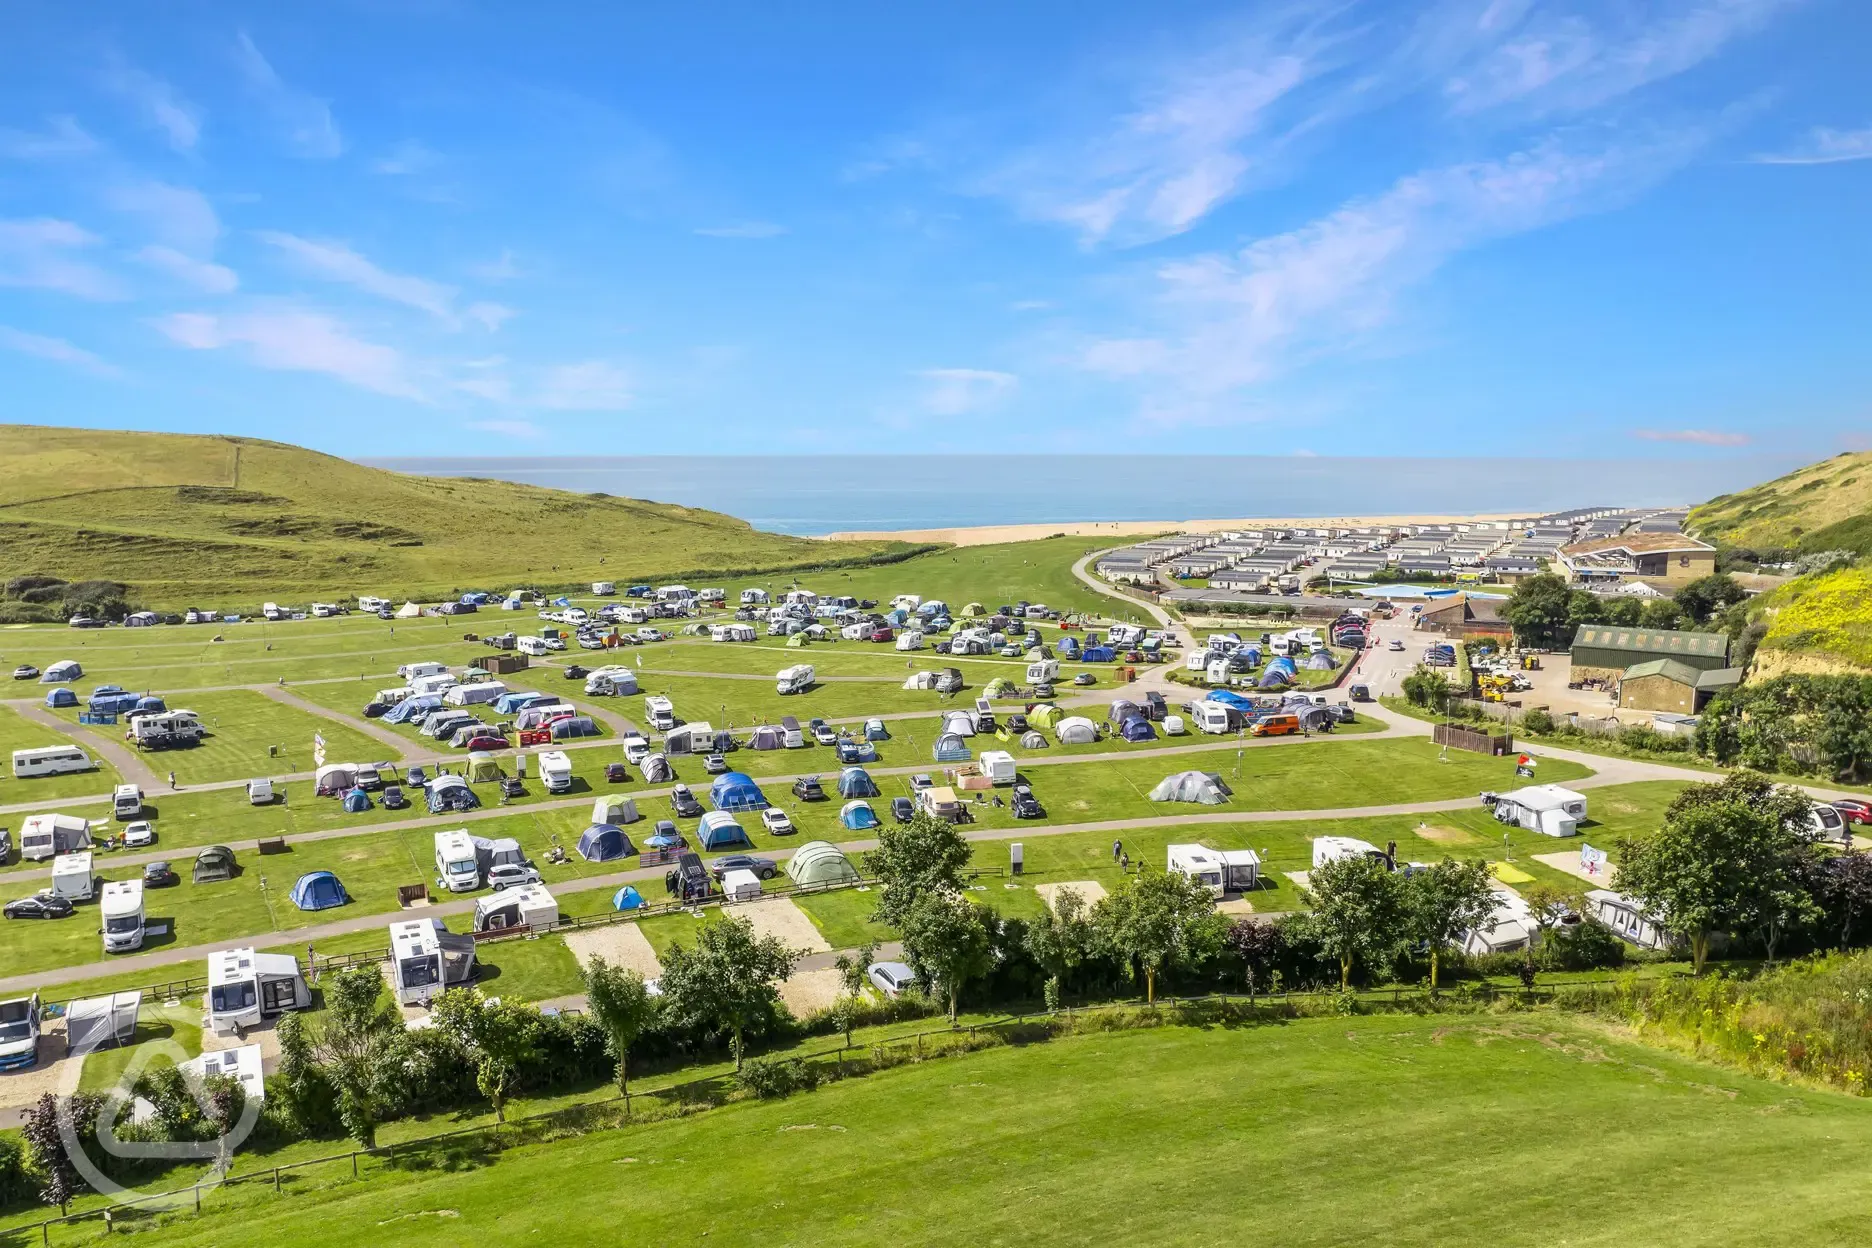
(1604, 651)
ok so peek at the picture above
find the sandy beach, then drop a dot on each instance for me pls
(1118, 530)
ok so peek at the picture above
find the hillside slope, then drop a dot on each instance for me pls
(219, 520)
(1824, 506)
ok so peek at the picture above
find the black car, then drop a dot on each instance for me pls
(615, 773)
(392, 798)
(574, 672)
(159, 875)
(901, 809)
(375, 710)
(714, 764)
(1017, 723)
(1026, 805)
(511, 786)
(684, 803)
(807, 789)
(39, 906)
(762, 867)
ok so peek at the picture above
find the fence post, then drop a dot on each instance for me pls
(354, 1163)
(276, 1174)
(198, 1198)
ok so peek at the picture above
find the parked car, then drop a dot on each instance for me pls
(418, 776)
(762, 867)
(1085, 678)
(1396, 644)
(511, 875)
(392, 798)
(664, 829)
(1017, 723)
(684, 803)
(922, 781)
(588, 641)
(825, 734)
(890, 978)
(1854, 809)
(901, 809)
(1013, 650)
(159, 875)
(615, 773)
(775, 821)
(714, 764)
(25, 671)
(512, 786)
(139, 834)
(369, 779)
(39, 906)
(574, 672)
(1026, 805)
(489, 742)
(807, 789)
(1043, 689)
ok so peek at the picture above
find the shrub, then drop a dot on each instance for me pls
(771, 1078)
(16, 1181)
(1538, 722)
(1586, 946)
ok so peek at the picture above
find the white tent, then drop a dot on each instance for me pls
(921, 680)
(475, 694)
(408, 611)
(94, 1022)
(1031, 740)
(615, 808)
(961, 723)
(1189, 786)
(1076, 730)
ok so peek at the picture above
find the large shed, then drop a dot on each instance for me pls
(1605, 651)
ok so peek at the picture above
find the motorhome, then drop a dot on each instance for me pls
(457, 869)
(121, 906)
(1545, 808)
(795, 679)
(530, 905)
(555, 771)
(72, 877)
(324, 610)
(428, 960)
(50, 760)
(366, 602)
(166, 730)
(43, 837)
(246, 988)
(127, 803)
(19, 1032)
(661, 712)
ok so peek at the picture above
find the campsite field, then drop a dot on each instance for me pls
(1039, 1144)
(19, 733)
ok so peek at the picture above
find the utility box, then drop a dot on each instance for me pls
(1014, 857)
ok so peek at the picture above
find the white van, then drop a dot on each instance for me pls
(260, 792)
(121, 906)
(555, 771)
(50, 760)
(456, 867)
(72, 878)
(661, 712)
(127, 803)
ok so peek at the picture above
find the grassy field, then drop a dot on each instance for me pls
(19, 733)
(1824, 506)
(1483, 1129)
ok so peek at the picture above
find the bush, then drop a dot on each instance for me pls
(771, 1078)
(1586, 946)
(1538, 722)
(16, 1181)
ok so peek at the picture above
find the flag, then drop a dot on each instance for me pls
(318, 749)
(1592, 861)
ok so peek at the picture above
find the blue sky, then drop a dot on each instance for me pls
(1446, 227)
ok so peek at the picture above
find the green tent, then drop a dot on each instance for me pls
(1000, 687)
(819, 863)
(798, 639)
(1044, 716)
(974, 608)
(483, 768)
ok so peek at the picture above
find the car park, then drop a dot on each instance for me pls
(776, 822)
(890, 978)
(902, 810)
(684, 803)
(39, 906)
(808, 789)
(139, 834)
(25, 671)
(764, 868)
(1025, 804)
(159, 875)
(714, 764)
(511, 875)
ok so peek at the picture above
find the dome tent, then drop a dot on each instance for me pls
(483, 767)
(1031, 740)
(604, 842)
(736, 791)
(1319, 661)
(857, 816)
(1190, 786)
(856, 782)
(318, 890)
(961, 723)
(614, 808)
(657, 769)
(1076, 730)
(820, 862)
(1044, 715)
(356, 802)
(61, 698)
(720, 831)
(627, 898)
(951, 749)
(1137, 728)
(1001, 687)
(768, 737)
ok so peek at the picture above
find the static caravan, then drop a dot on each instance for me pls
(121, 906)
(530, 905)
(428, 960)
(50, 760)
(247, 988)
(72, 877)
(795, 679)
(19, 1032)
(1545, 808)
(43, 837)
(457, 868)
(555, 771)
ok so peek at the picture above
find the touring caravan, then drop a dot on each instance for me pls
(428, 960)
(43, 837)
(1211, 717)
(50, 760)
(530, 905)
(998, 766)
(604, 588)
(428, 667)
(246, 988)
(72, 877)
(795, 679)
(121, 906)
(1041, 670)
(555, 771)
(534, 646)
(166, 730)
(1545, 808)
(1219, 870)
(457, 868)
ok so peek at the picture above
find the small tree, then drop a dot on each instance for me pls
(620, 1003)
(1062, 938)
(1547, 905)
(1846, 888)
(225, 1099)
(853, 969)
(1258, 944)
(728, 979)
(1445, 901)
(358, 1029)
(1358, 910)
(1426, 687)
(1158, 920)
(45, 1146)
(925, 855)
(946, 940)
(497, 1034)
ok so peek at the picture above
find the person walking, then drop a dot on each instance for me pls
(1117, 850)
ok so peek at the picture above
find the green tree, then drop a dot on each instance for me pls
(1426, 687)
(1062, 937)
(358, 1028)
(1358, 910)
(925, 855)
(1705, 598)
(728, 979)
(621, 1005)
(1626, 612)
(1661, 613)
(1157, 921)
(1547, 904)
(498, 1035)
(947, 942)
(1444, 901)
(853, 967)
(1537, 611)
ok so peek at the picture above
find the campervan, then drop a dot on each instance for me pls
(366, 602)
(121, 906)
(19, 1032)
(555, 771)
(260, 792)
(661, 712)
(427, 960)
(50, 760)
(72, 878)
(795, 679)
(45, 836)
(530, 905)
(457, 869)
(246, 988)
(324, 610)
(127, 803)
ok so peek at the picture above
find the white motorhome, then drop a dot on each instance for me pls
(72, 877)
(457, 869)
(367, 603)
(247, 988)
(50, 760)
(43, 837)
(1545, 808)
(127, 802)
(19, 1032)
(998, 766)
(324, 610)
(428, 667)
(555, 771)
(530, 905)
(795, 679)
(166, 728)
(427, 959)
(121, 905)
(1332, 848)
(661, 712)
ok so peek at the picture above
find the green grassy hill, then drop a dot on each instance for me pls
(223, 520)
(1824, 506)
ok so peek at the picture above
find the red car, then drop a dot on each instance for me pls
(487, 743)
(1854, 810)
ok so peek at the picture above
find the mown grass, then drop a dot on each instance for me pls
(19, 733)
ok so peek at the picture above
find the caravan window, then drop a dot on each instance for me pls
(421, 972)
(229, 998)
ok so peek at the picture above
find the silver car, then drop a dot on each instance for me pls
(511, 875)
(890, 978)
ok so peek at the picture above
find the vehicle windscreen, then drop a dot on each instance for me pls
(122, 926)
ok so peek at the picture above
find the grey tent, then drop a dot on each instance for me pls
(1190, 786)
(213, 863)
(820, 862)
(1031, 740)
(95, 1022)
(656, 768)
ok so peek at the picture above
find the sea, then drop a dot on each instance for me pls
(818, 494)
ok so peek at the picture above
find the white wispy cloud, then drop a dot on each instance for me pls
(180, 216)
(1695, 437)
(204, 275)
(304, 120)
(489, 316)
(1824, 146)
(501, 269)
(297, 340)
(160, 106)
(745, 229)
(58, 350)
(588, 386)
(63, 136)
(45, 254)
(955, 391)
(336, 262)
(525, 430)
(405, 160)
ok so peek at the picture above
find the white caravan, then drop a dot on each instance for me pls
(50, 760)
(246, 988)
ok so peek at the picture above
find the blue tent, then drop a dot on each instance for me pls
(61, 697)
(604, 842)
(627, 898)
(575, 726)
(1069, 647)
(412, 708)
(856, 782)
(735, 791)
(876, 731)
(149, 704)
(858, 816)
(1282, 663)
(1275, 678)
(1234, 701)
(113, 703)
(1097, 654)
(720, 831)
(1137, 728)
(508, 703)
(318, 890)
(450, 793)
(356, 802)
